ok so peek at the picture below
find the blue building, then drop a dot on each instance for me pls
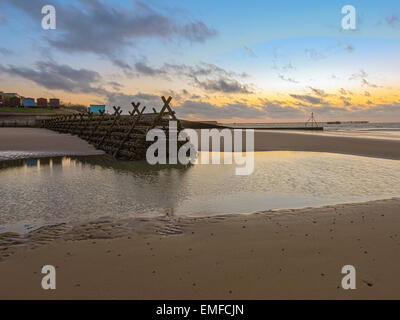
(95, 108)
(28, 102)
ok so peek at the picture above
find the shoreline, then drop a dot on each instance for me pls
(47, 143)
(217, 257)
(25, 143)
(24, 228)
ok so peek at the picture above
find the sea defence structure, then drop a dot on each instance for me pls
(121, 136)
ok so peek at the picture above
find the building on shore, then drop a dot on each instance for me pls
(97, 108)
(54, 103)
(41, 102)
(15, 100)
(12, 100)
(28, 102)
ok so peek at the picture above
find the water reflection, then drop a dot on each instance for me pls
(84, 188)
(102, 161)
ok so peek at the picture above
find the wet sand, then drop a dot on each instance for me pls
(296, 254)
(361, 146)
(17, 143)
(30, 142)
(270, 140)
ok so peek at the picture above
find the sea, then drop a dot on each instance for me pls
(378, 130)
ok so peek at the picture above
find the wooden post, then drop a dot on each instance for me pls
(102, 113)
(172, 113)
(117, 113)
(68, 129)
(85, 124)
(158, 118)
(136, 120)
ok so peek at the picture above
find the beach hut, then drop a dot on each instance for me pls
(96, 108)
(12, 100)
(41, 102)
(28, 102)
(54, 103)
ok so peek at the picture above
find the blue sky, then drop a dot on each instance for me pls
(225, 60)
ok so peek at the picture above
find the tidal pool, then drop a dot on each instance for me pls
(73, 189)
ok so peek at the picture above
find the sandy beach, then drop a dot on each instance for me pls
(295, 254)
(292, 253)
(369, 147)
(271, 140)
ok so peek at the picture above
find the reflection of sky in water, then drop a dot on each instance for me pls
(67, 189)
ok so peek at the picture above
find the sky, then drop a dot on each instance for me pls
(231, 61)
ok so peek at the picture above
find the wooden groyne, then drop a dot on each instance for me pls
(121, 136)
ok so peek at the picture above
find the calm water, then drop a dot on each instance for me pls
(73, 189)
(384, 130)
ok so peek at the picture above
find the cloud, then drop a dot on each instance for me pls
(115, 85)
(215, 79)
(288, 79)
(393, 21)
(228, 111)
(223, 85)
(197, 32)
(362, 75)
(206, 76)
(108, 28)
(364, 82)
(345, 92)
(318, 92)
(367, 111)
(359, 75)
(250, 52)
(349, 48)
(277, 111)
(144, 69)
(338, 47)
(314, 54)
(388, 111)
(308, 99)
(328, 111)
(121, 64)
(125, 100)
(5, 51)
(202, 69)
(3, 20)
(346, 101)
(54, 76)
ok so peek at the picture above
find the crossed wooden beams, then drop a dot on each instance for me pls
(135, 121)
(165, 107)
(102, 115)
(85, 123)
(117, 114)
